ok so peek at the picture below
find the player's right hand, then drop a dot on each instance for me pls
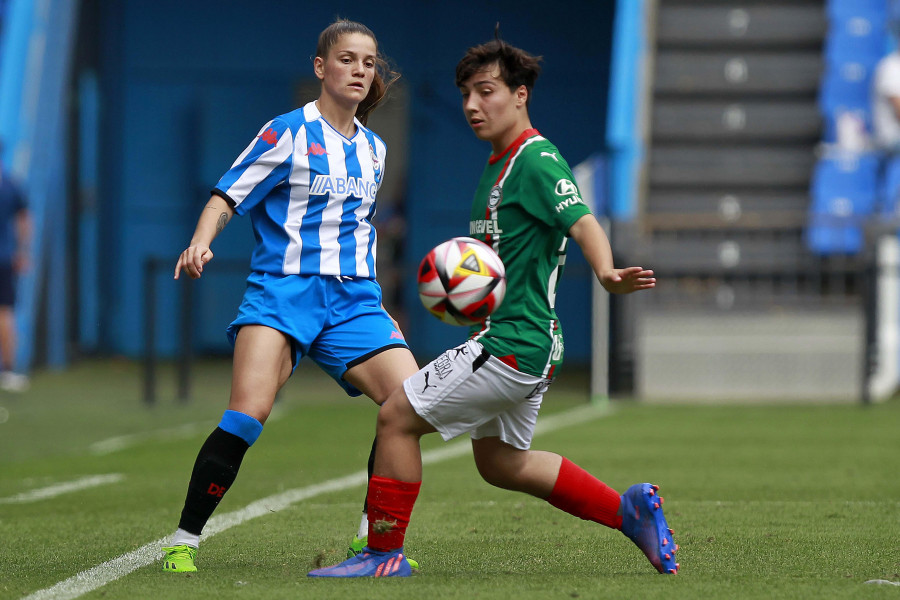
(192, 261)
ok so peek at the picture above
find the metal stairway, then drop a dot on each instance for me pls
(734, 125)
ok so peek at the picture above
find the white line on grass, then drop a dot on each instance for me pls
(121, 442)
(63, 488)
(95, 577)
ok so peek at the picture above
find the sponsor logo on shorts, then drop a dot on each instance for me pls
(443, 366)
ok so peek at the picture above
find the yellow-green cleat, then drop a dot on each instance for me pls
(179, 559)
(358, 543)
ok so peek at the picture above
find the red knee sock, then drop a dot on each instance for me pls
(581, 494)
(390, 505)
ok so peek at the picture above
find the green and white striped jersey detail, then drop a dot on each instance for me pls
(524, 205)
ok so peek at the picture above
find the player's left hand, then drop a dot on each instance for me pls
(627, 280)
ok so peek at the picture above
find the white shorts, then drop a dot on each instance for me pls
(465, 389)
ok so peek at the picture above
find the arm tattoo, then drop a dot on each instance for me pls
(222, 222)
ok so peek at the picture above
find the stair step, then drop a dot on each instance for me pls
(726, 166)
(736, 73)
(722, 252)
(736, 121)
(741, 25)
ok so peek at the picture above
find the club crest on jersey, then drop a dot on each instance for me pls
(495, 196)
(376, 164)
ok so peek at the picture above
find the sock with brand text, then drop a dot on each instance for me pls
(216, 468)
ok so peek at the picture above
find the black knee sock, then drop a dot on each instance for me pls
(371, 469)
(214, 471)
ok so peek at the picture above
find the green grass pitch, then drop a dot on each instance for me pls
(767, 501)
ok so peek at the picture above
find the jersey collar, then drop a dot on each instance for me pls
(311, 113)
(495, 158)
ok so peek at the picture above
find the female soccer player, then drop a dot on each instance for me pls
(492, 385)
(308, 183)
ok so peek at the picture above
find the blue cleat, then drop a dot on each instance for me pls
(645, 525)
(369, 563)
(359, 544)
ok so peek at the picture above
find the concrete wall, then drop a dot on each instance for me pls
(766, 356)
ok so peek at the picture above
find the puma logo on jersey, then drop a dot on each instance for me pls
(551, 155)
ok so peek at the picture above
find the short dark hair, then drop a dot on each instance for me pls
(385, 75)
(517, 67)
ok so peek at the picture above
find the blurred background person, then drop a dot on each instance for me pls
(15, 237)
(886, 101)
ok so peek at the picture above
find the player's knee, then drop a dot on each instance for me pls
(496, 474)
(396, 416)
(390, 417)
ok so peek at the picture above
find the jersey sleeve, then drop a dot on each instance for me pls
(552, 195)
(263, 165)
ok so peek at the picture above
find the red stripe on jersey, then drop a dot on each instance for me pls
(511, 150)
(495, 158)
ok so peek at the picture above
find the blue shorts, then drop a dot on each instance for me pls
(337, 323)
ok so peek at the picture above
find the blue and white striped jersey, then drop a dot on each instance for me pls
(310, 194)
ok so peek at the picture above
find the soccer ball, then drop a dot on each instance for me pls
(462, 281)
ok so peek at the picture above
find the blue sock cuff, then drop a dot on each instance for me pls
(244, 426)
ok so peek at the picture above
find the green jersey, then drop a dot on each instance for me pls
(525, 203)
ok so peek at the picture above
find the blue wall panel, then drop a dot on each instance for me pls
(185, 86)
